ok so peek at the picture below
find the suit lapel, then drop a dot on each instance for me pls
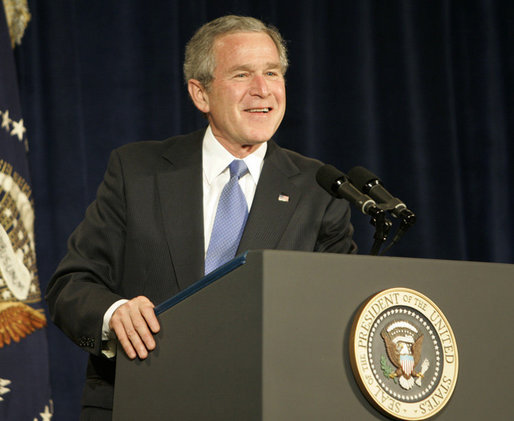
(181, 200)
(274, 203)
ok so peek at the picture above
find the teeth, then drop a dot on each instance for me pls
(258, 110)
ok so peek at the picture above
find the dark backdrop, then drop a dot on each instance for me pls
(420, 92)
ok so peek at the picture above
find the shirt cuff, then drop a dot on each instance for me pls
(107, 333)
(108, 336)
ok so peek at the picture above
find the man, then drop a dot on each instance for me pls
(150, 232)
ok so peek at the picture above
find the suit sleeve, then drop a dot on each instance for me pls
(87, 281)
(336, 231)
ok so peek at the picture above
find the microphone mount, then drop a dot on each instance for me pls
(382, 227)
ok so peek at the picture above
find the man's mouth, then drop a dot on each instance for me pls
(259, 110)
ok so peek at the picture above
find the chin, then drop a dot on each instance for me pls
(252, 141)
(260, 136)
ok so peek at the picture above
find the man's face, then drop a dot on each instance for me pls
(246, 100)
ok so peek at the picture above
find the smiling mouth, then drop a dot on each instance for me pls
(259, 110)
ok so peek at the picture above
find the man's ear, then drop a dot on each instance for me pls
(198, 95)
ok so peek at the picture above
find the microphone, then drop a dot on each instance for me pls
(337, 184)
(370, 184)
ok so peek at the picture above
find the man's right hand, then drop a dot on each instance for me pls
(135, 324)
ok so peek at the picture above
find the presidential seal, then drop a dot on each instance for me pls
(403, 354)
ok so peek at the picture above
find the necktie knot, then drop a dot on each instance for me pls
(238, 168)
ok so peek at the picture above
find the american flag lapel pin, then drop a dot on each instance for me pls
(283, 198)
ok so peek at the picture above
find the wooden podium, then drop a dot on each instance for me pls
(267, 338)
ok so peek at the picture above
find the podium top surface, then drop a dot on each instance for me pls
(329, 258)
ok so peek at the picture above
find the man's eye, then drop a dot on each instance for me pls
(273, 74)
(241, 75)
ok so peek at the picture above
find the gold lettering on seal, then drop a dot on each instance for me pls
(369, 317)
(437, 397)
(445, 336)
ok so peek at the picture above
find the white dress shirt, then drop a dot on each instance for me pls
(215, 162)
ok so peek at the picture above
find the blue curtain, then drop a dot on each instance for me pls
(421, 93)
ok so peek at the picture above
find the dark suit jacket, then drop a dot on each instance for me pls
(143, 235)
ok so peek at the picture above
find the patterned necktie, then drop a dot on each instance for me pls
(230, 220)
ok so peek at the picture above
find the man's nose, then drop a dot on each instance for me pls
(259, 86)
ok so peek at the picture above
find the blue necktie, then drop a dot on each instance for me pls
(230, 220)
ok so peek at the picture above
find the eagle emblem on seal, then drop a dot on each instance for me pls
(404, 342)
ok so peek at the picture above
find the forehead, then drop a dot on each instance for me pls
(240, 47)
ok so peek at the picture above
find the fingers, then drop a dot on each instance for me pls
(134, 324)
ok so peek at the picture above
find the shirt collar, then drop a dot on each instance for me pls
(215, 158)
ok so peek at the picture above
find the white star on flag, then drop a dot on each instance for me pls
(5, 119)
(18, 129)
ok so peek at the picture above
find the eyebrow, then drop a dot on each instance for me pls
(270, 65)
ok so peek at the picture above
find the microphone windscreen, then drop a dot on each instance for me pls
(361, 176)
(326, 177)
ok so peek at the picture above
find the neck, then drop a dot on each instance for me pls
(238, 150)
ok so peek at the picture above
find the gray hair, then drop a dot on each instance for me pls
(199, 62)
